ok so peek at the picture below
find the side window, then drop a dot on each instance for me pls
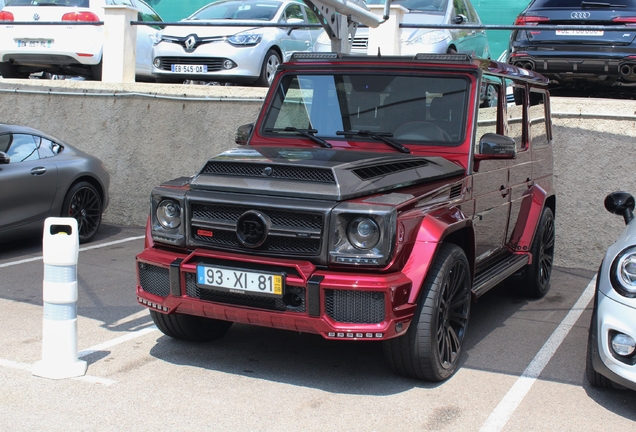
(22, 148)
(538, 120)
(460, 8)
(294, 11)
(311, 16)
(515, 98)
(5, 141)
(47, 148)
(146, 13)
(488, 114)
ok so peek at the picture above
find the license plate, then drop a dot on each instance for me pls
(34, 43)
(194, 69)
(240, 281)
(579, 32)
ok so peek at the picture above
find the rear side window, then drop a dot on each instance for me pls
(539, 132)
(22, 148)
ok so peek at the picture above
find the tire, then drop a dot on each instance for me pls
(9, 71)
(535, 278)
(84, 203)
(432, 346)
(593, 377)
(190, 328)
(268, 70)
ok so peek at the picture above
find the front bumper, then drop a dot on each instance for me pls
(247, 61)
(336, 305)
(609, 316)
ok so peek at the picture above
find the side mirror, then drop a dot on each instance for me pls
(4, 158)
(622, 204)
(294, 21)
(494, 146)
(243, 133)
(460, 19)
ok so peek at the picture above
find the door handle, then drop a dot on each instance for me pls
(38, 171)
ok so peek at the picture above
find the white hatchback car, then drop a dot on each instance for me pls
(611, 349)
(66, 49)
(247, 54)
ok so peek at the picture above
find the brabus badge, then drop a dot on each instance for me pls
(36, 16)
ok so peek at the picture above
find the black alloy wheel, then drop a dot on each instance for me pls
(432, 346)
(84, 204)
(535, 278)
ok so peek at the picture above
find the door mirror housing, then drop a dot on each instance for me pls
(243, 133)
(494, 146)
(4, 158)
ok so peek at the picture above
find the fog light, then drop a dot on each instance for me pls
(228, 64)
(156, 62)
(398, 327)
(623, 344)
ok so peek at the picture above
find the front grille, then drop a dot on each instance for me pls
(214, 64)
(292, 233)
(371, 172)
(154, 280)
(314, 175)
(296, 304)
(356, 307)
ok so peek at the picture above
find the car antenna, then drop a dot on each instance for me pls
(379, 53)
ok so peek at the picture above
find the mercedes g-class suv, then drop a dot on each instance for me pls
(373, 199)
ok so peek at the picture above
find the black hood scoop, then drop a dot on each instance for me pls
(318, 173)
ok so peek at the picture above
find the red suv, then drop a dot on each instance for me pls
(372, 200)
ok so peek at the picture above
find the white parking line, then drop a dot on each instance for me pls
(116, 341)
(502, 413)
(39, 258)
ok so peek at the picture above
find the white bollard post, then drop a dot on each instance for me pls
(387, 35)
(60, 249)
(120, 41)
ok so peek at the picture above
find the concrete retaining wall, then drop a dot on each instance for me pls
(147, 133)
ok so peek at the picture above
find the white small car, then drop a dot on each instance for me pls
(66, 49)
(247, 54)
(611, 349)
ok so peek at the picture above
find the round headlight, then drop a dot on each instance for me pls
(625, 272)
(363, 233)
(169, 214)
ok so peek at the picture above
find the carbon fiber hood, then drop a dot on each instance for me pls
(317, 173)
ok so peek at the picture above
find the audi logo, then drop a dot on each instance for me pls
(580, 15)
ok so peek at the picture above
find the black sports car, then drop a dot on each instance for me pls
(41, 176)
(578, 57)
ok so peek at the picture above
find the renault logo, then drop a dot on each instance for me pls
(580, 15)
(190, 42)
(252, 228)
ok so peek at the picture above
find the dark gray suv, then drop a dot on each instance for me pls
(575, 58)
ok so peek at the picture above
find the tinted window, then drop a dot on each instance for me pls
(488, 115)
(311, 16)
(514, 123)
(419, 5)
(22, 148)
(429, 110)
(294, 11)
(47, 148)
(146, 13)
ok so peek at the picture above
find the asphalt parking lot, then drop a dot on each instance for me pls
(523, 368)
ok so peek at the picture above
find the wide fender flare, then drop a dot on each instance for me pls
(435, 228)
(529, 216)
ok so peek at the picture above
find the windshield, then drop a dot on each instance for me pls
(428, 110)
(418, 5)
(239, 10)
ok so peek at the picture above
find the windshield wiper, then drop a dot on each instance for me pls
(587, 4)
(380, 136)
(307, 133)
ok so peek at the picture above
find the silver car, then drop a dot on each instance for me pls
(248, 54)
(42, 176)
(611, 349)
(423, 40)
